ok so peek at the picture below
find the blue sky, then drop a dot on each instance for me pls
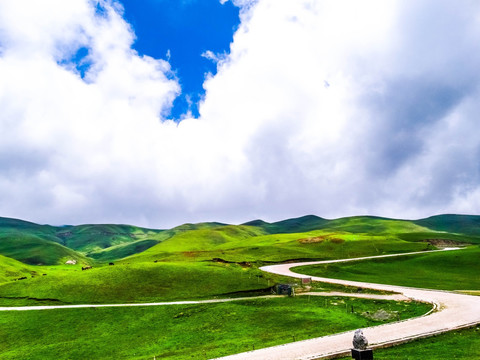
(186, 29)
(96, 127)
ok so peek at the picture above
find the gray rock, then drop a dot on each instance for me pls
(360, 342)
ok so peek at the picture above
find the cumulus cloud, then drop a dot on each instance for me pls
(86, 135)
(377, 140)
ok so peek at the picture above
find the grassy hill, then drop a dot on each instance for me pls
(11, 269)
(295, 225)
(35, 249)
(307, 237)
(304, 238)
(90, 238)
(49, 245)
(458, 224)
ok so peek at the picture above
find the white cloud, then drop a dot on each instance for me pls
(393, 134)
(216, 58)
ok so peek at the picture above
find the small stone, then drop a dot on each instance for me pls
(360, 342)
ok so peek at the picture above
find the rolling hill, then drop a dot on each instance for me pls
(49, 245)
(306, 237)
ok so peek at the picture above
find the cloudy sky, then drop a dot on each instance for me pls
(160, 112)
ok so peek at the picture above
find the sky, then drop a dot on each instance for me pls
(158, 113)
(187, 33)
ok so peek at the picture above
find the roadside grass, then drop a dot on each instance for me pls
(184, 332)
(448, 270)
(135, 283)
(145, 282)
(460, 345)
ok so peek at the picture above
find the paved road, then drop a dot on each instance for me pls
(453, 311)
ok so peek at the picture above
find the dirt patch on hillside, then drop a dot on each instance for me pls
(244, 264)
(442, 243)
(312, 240)
(320, 239)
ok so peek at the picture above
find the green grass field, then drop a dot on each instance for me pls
(184, 332)
(449, 270)
(134, 283)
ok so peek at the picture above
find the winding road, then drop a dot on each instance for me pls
(451, 311)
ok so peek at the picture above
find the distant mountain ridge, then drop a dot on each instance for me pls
(36, 244)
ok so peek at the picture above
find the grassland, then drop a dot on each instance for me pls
(134, 283)
(184, 332)
(449, 270)
(200, 261)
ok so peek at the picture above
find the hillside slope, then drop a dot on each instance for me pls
(459, 224)
(306, 237)
(49, 245)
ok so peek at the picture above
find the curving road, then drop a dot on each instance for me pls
(453, 311)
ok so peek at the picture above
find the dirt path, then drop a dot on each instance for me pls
(453, 311)
(80, 306)
(195, 302)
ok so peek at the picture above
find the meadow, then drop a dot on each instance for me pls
(185, 331)
(206, 261)
(449, 270)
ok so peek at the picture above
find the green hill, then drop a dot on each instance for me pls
(295, 225)
(11, 269)
(31, 249)
(306, 237)
(459, 224)
(91, 238)
(33, 244)
(48, 245)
